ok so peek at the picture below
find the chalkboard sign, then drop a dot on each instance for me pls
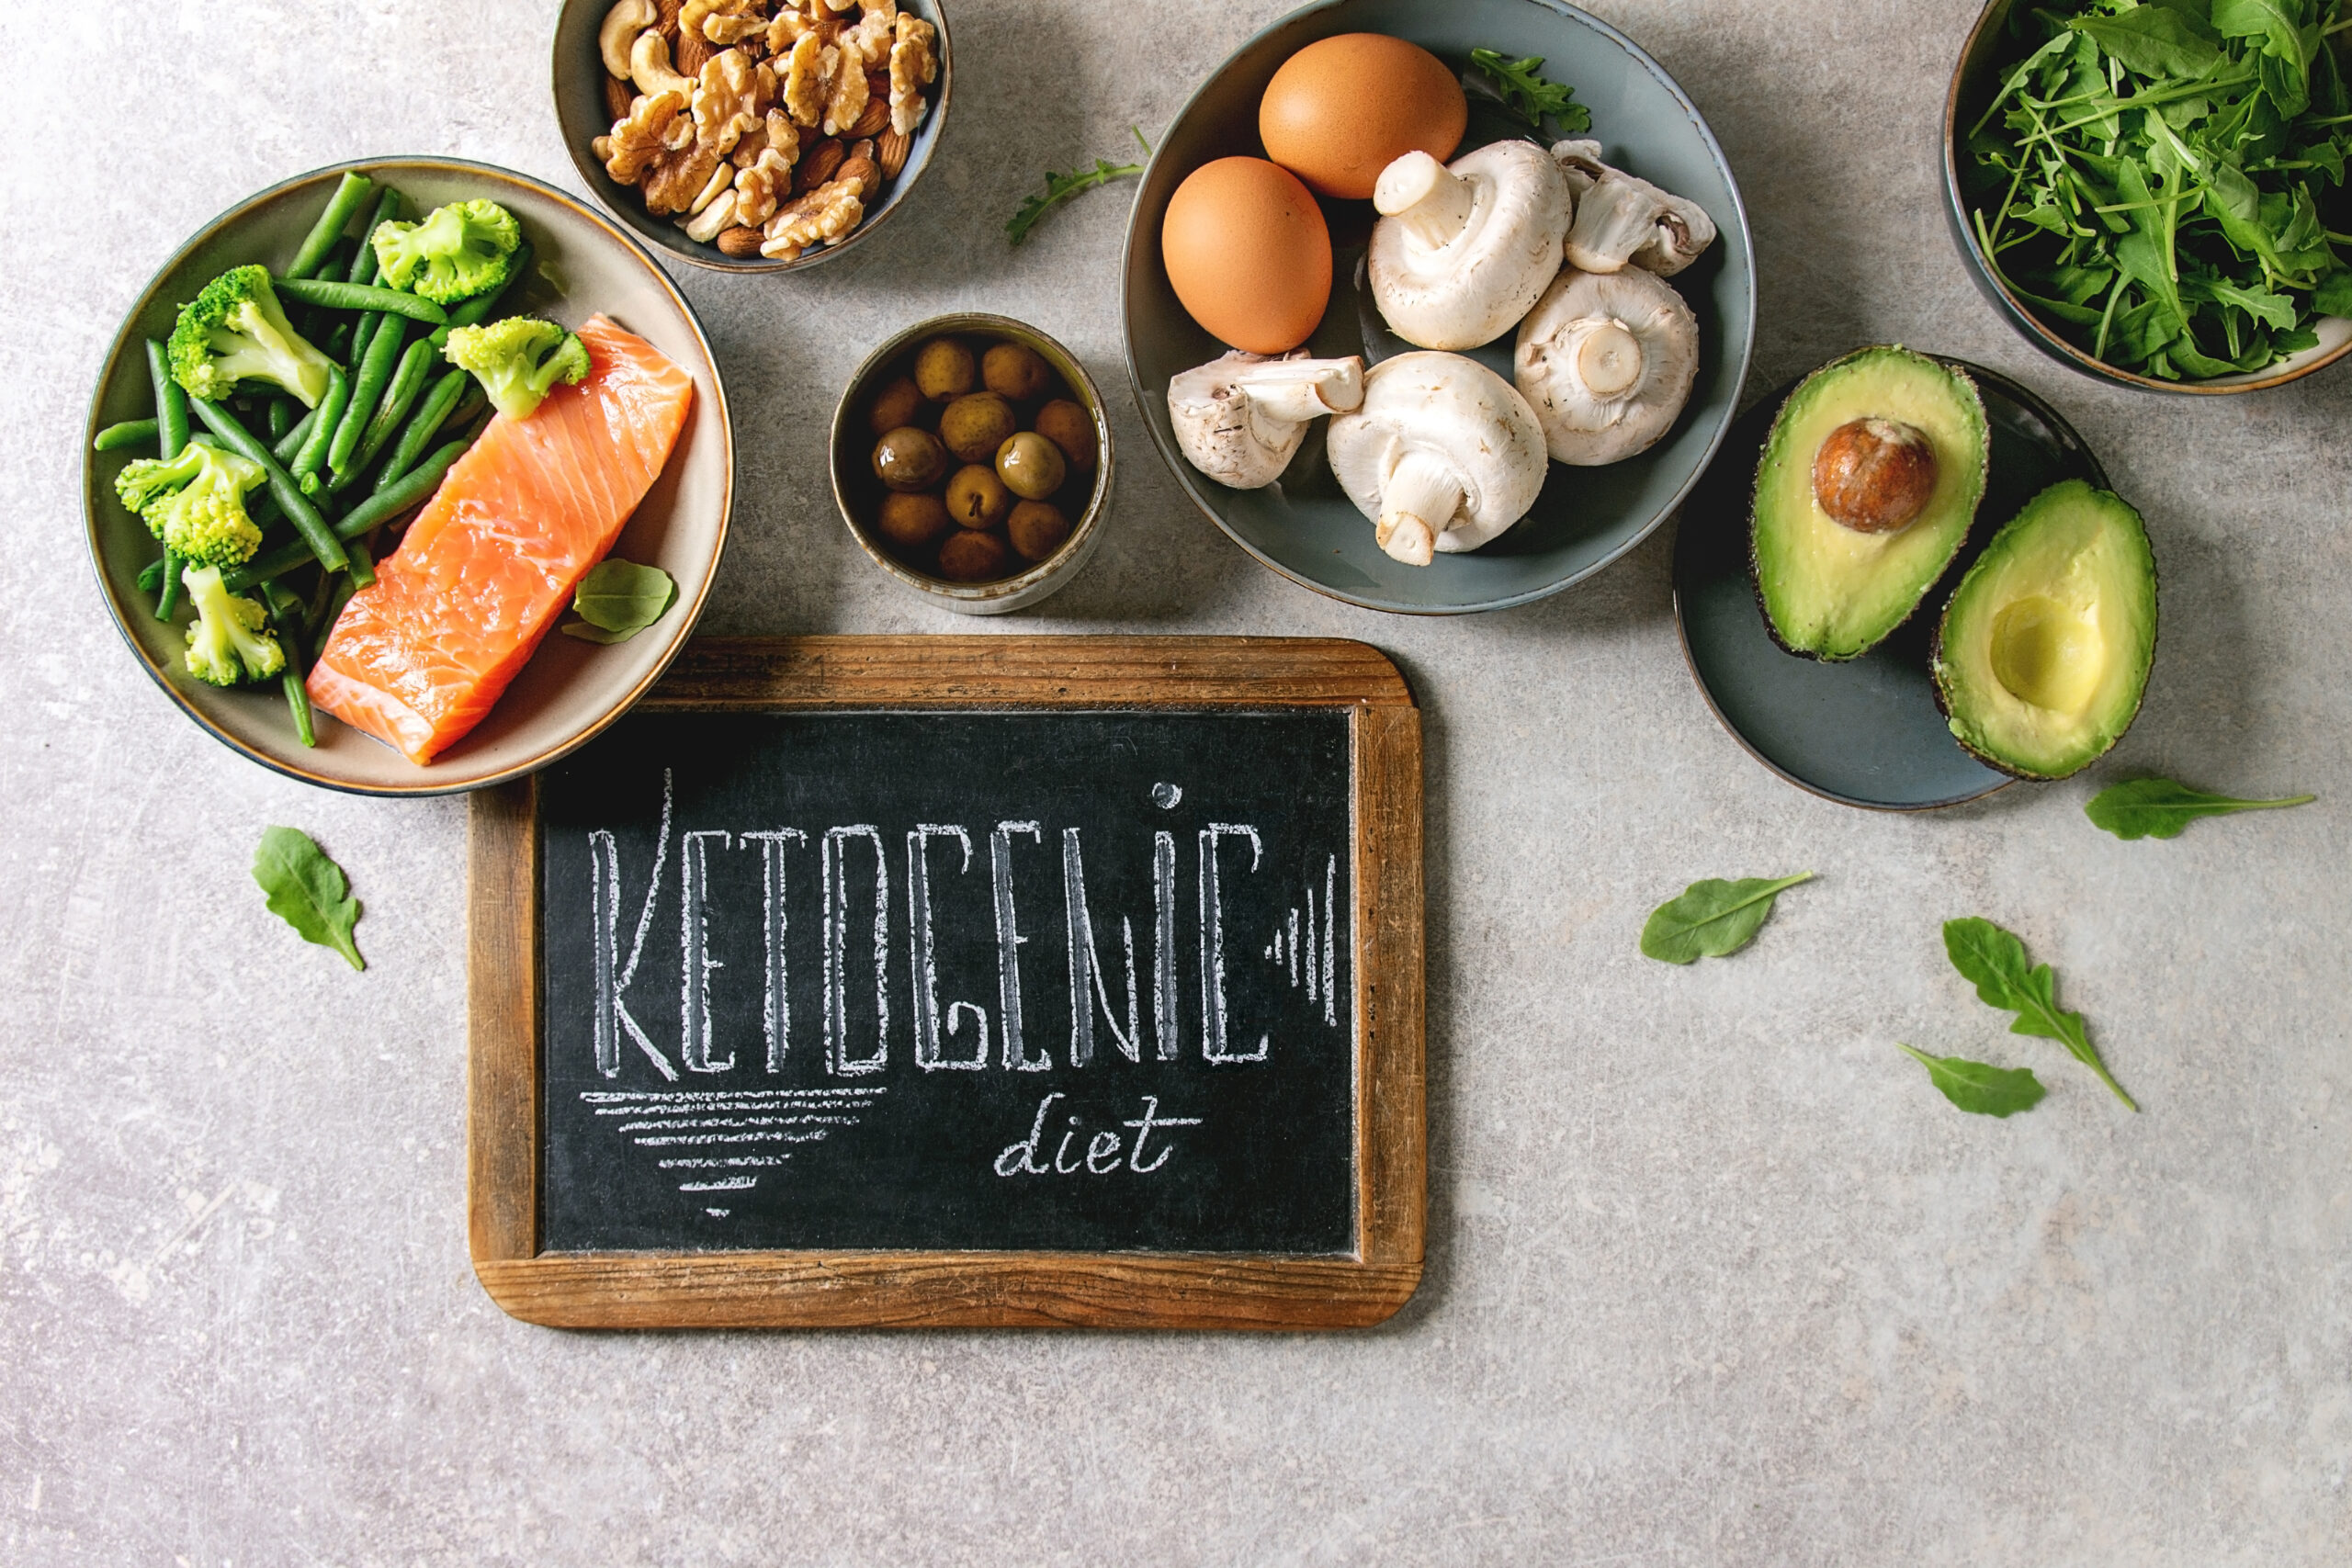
(984, 980)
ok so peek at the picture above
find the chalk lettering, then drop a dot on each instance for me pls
(776, 1005)
(836, 952)
(1214, 1026)
(1144, 1125)
(1330, 932)
(1009, 941)
(922, 955)
(1101, 1147)
(1027, 1147)
(694, 951)
(1086, 991)
(1165, 1023)
(611, 1009)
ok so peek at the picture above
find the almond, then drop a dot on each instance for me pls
(817, 166)
(890, 152)
(665, 20)
(870, 123)
(740, 241)
(619, 96)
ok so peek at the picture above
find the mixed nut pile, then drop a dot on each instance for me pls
(765, 126)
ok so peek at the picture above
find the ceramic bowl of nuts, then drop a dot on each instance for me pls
(751, 135)
(971, 461)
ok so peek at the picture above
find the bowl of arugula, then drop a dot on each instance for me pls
(2154, 195)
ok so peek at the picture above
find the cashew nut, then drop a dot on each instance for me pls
(649, 67)
(719, 215)
(621, 26)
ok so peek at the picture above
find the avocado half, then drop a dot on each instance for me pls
(1827, 590)
(2044, 649)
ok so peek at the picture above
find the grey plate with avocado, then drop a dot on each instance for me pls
(1866, 732)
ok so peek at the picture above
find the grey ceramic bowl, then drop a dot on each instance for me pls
(1985, 58)
(571, 690)
(581, 117)
(1867, 732)
(1302, 526)
(857, 493)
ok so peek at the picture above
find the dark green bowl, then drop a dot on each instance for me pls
(1987, 55)
(1302, 526)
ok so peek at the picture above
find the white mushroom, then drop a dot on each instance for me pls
(1620, 219)
(1443, 455)
(1239, 419)
(1462, 251)
(619, 30)
(1607, 360)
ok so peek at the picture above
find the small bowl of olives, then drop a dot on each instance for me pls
(971, 459)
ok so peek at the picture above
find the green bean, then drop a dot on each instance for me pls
(277, 415)
(431, 413)
(349, 192)
(377, 510)
(332, 611)
(472, 312)
(363, 565)
(151, 577)
(365, 269)
(285, 618)
(407, 384)
(338, 341)
(285, 445)
(362, 296)
(305, 517)
(367, 388)
(313, 452)
(129, 432)
(167, 599)
(171, 404)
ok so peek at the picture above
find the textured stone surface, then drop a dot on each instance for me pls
(1714, 1277)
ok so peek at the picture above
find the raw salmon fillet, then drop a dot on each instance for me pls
(489, 566)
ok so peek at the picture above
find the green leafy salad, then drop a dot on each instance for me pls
(2163, 180)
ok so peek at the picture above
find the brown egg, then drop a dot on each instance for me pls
(1248, 253)
(1344, 108)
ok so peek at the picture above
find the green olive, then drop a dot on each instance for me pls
(977, 498)
(909, 459)
(972, 556)
(912, 520)
(1037, 529)
(1014, 370)
(976, 424)
(1069, 427)
(1031, 467)
(944, 370)
(899, 404)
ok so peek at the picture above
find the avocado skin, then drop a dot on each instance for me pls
(1755, 563)
(1941, 671)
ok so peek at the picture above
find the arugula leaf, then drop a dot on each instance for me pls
(2153, 42)
(1977, 1089)
(1712, 918)
(1061, 187)
(618, 599)
(2159, 809)
(1527, 96)
(307, 890)
(1994, 961)
(2278, 23)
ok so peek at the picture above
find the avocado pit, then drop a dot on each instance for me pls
(1874, 476)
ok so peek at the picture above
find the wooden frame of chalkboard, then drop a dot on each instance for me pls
(902, 1287)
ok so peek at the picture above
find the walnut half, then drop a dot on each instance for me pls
(913, 67)
(644, 136)
(819, 218)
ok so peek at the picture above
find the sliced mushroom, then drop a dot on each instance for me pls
(1620, 219)
(1239, 419)
(618, 31)
(1442, 456)
(1607, 361)
(1462, 250)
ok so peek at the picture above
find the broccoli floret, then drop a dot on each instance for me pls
(230, 642)
(516, 360)
(461, 250)
(196, 502)
(235, 331)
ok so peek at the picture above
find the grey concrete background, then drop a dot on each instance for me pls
(1715, 1277)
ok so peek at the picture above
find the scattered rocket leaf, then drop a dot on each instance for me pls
(1061, 187)
(1977, 1087)
(307, 890)
(1995, 962)
(2159, 809)
(1528, 96)
(1712, 918)
(618, 599)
